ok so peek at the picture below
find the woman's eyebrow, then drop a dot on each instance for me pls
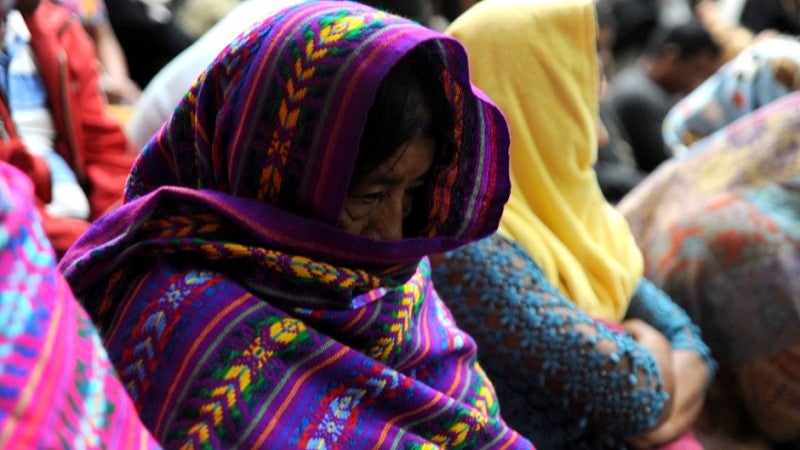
(391, 179)
(384, 179)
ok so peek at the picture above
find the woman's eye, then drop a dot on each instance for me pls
(369, 199)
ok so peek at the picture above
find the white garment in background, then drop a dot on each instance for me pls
(731, 10)
(672, 13)
(167, 88)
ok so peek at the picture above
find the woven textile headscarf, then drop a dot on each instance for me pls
(548, 89)
(237, 312)
(57, 387)
(256, 161)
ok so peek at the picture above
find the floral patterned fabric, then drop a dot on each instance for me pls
(719, 231)
(760, 74)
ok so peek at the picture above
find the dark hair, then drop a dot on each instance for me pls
(690, 38)
(417, 10)
(410, 103)
(450, 9)
(633, 22)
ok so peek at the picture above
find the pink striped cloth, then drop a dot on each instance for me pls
(57, 386)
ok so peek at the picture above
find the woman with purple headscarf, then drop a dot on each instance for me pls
(266, 283)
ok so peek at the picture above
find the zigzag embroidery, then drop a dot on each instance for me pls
(403, 304)
(340, 408)
(331, 41)
(158, 318)
(228, 389)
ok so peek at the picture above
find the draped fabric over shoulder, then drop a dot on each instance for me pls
(57, 387)
(720, 232)
(237, 312)
(556, 211)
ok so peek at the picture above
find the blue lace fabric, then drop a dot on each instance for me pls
(563, 378)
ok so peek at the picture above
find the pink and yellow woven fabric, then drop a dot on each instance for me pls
(57, 387)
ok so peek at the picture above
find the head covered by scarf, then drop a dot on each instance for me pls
(538, 60)
(235, 310)
(255, 163)
(58, 387)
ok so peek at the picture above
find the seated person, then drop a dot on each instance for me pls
(76, 155)
(676, 61)
(115, 79)
(59, 390)
(583, 352)
(266, 283)
(719, 231)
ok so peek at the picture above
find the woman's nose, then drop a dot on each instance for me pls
(390, 220)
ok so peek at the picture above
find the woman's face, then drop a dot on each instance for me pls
(378, 202)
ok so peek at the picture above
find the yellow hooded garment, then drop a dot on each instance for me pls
(537, 59)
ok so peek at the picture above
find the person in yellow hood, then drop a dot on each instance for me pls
(582, 350)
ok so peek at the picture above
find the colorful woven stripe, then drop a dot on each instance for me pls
(248, 374)
(57, 386)
(236, 311)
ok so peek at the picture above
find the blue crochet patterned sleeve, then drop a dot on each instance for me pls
(563, 379)
(654, 306)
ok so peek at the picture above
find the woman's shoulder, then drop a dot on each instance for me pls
(173, 283)
(176, 296)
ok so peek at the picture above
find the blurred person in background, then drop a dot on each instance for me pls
(149, 33)
(114, 75)
(676, 61)
(56, 127)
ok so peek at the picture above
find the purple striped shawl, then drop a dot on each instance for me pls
(237, 312)
(260, 152)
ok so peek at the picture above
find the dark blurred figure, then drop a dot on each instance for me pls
(617, 172)
(632, 21)
(149, 34)
(676, 61)
(779, 15)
